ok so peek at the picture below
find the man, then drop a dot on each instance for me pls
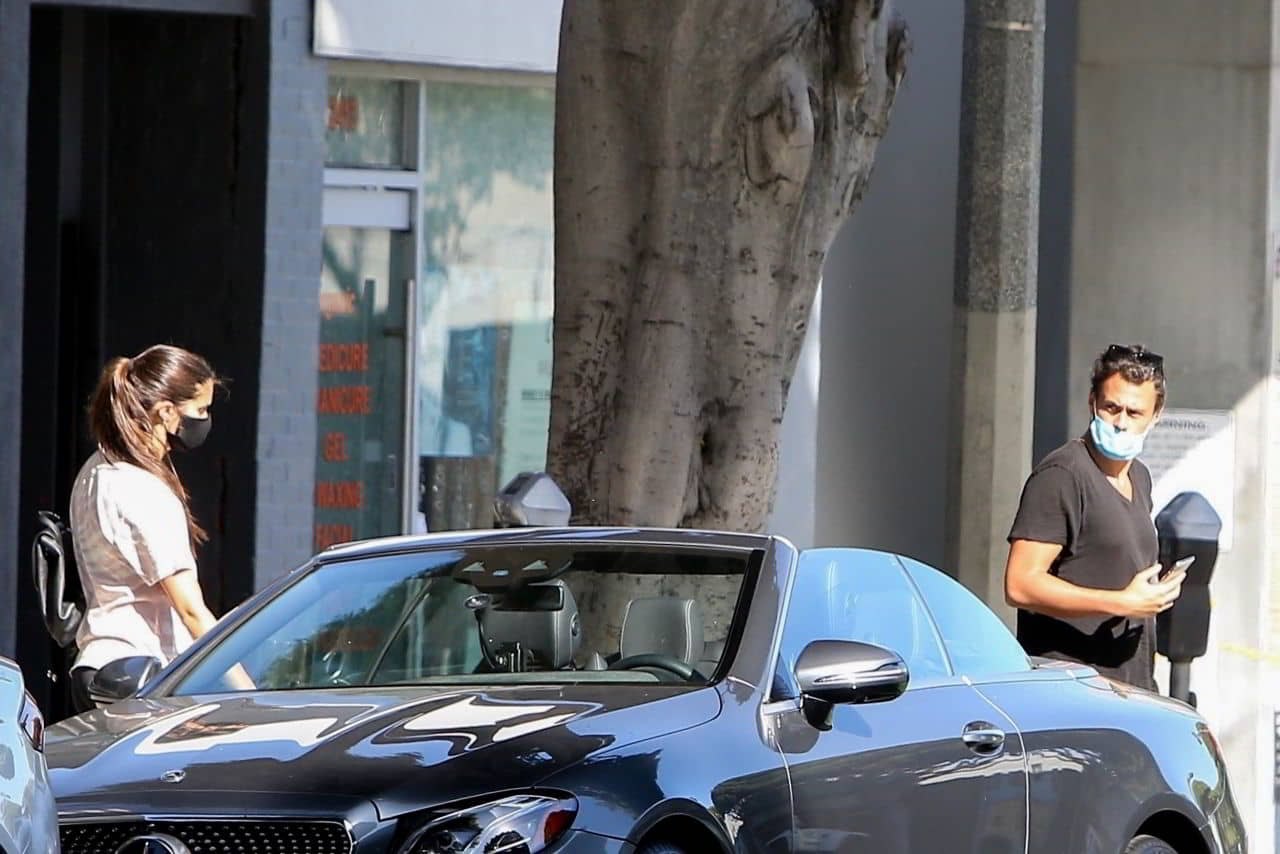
(1082, 567)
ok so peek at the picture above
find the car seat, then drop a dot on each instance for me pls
(549, 639)
(664, 625)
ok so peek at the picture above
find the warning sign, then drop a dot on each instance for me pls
(1194, 450)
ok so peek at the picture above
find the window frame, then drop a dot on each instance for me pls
(783, 675)
(993, 676)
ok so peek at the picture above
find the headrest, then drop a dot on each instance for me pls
(551, 636)
(664, 625)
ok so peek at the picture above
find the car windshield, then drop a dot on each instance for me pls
(492, 615)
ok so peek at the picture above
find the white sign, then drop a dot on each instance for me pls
(1194, 450)
(516, 35)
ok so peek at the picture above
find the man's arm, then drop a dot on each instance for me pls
(1029, 585)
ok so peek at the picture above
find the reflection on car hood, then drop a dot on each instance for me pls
(402, 748)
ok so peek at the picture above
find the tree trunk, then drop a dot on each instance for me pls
(706, 153)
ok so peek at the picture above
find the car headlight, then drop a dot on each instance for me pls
(31, 721)
(520, 824)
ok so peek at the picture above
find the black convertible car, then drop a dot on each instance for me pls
(600, 690)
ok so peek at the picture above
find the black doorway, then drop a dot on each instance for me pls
(145, 160)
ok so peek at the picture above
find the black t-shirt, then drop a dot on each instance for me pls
(1105, 539)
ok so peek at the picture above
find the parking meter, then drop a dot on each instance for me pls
(531, 499)
(1187, 525)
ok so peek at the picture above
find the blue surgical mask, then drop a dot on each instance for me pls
(1118, 445)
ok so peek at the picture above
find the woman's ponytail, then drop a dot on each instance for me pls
(120, 417)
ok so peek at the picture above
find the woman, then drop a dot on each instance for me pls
(131, 521)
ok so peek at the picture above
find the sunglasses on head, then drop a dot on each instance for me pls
(1116, 352)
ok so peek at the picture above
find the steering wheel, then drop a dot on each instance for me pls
(333, 662)
(669, 663)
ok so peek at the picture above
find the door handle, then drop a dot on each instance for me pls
(983, 737)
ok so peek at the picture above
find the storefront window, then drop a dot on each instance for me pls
(370, 123)
(483, 360)
(475, 233)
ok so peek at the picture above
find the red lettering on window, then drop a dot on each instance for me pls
(345, 400)
(344, 357)
(344, 113)
(327, 535)
(340, 494)
(335, 447)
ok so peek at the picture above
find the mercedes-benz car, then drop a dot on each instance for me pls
(28, 820)
(618, 690)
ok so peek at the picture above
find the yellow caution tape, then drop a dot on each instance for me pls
(1251, 653)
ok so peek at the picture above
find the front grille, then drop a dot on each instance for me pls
(213, 837)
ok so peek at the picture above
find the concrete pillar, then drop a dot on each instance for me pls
(993, 344)
(1176, 201)
(15, 33)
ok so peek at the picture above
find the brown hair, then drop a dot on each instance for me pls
(1135, 363)
(120, 412)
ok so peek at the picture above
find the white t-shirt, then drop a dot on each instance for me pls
(130, 532)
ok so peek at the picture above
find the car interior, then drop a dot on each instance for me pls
(660, 635)
(491, 615)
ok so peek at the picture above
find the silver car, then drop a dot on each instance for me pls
(28, 818)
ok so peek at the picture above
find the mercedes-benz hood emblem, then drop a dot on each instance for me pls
(153, 843)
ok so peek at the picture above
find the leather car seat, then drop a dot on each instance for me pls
(664, 625)
(552, 637)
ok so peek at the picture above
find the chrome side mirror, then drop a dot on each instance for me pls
(836, 672)
(121, 679)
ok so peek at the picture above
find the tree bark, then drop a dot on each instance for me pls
(706, 153)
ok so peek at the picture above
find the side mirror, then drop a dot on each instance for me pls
(121, 679)
(835, 672)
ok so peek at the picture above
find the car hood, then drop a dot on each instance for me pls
(401, 748)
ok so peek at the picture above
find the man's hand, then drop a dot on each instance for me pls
(1147, 595)
(1029, 584)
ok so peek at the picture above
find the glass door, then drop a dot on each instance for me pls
(360, 399)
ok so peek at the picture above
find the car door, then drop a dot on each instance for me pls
(1071, 791)
(937, 767)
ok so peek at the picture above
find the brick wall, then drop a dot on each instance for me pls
(290, 322)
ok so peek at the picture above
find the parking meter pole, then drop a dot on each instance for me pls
(1180, 681)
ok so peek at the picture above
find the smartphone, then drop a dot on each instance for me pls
(1179, 565)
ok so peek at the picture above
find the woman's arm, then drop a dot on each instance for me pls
(183, 590)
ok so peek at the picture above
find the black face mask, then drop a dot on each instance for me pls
(192, 432)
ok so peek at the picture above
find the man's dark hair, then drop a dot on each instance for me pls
(1135, 363)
